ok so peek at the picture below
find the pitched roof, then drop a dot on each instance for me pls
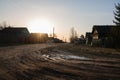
(103, 29)
(15, 30)
(88, 34)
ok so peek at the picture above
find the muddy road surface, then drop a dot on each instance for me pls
(58, 62)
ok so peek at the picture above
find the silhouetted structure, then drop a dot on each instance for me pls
(13, 35)
(88, 38)
(54, 40)
(100, 34)
(38, 38)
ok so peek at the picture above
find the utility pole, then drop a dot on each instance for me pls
(53, 32)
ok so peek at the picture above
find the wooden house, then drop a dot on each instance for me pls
(13, 35)
(38, 37)
(100, 33)
(88, 38)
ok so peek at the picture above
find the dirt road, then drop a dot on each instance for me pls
(58, 62)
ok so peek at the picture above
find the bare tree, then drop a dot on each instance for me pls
(3, 25)
(73, 35)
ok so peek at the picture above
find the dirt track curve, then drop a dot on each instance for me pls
(48, 62)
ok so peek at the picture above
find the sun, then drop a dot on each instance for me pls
(40, 26)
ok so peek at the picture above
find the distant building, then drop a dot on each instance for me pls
(13, 35)
(54, 40)
(88, 38)
(38, 38)
(100, 33)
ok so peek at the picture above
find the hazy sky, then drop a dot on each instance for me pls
(63, 14)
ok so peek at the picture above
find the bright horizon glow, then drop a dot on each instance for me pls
(40, 26)
(63, 14)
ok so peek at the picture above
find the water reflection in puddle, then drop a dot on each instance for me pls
(63, 57)
(75, 57)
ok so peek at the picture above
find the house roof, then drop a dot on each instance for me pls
(15, 30)
(88, 34)
(103, 29)
(33, 34)
(38, 35)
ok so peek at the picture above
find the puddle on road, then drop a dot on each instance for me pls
(75, 57)
(63, 57)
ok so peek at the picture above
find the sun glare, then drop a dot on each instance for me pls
(40, 26)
